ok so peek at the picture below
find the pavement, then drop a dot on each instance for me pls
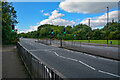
(12, 66)
(74, 64)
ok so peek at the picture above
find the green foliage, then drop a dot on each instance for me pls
(114, 42)
(80, 30)
(8, 18)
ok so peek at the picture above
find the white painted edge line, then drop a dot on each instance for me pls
(80, 62)
(107, 59)
(108, 73)
(82, 53)
(92, 56)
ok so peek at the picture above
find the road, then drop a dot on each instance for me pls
(73, 64)
(109, 51)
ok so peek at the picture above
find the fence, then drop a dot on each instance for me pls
(37, 68)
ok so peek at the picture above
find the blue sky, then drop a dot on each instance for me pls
(31, 14)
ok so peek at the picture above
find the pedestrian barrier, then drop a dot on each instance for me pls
(36, 67)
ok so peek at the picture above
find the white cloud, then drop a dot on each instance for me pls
(55, 14)
(32, 28)
(101, 20)
(63, 22)
(18, 32)
(42, 11)
(46, 14)
(46, 21)
(55, 19)
(86, 6)
(78, 20)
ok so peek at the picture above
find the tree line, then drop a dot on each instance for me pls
(8, 18)
(80, 30)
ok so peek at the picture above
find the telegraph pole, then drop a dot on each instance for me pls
(88, 30)
(107, 22)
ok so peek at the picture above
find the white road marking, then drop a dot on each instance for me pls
(56, 54)
(108, 73)
(78, 61)
(87, 65)
(72, 59)
(63, 57)
(92, 56)
(107, 59)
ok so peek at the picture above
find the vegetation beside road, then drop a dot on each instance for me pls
(80, 30)
(8, 19)
(114, 42)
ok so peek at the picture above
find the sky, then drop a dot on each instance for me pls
(30, 15)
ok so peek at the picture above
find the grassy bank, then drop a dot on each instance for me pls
(114, 42)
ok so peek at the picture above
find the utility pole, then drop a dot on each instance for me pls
(107, 22)
(89, 31)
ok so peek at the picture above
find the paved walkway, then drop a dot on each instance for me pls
(12, 65)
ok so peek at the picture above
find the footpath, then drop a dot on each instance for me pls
(12, 66)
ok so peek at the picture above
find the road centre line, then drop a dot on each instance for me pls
(80, 62)
(87, 65)
(76, 61)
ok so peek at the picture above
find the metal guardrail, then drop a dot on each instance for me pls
(36, 67)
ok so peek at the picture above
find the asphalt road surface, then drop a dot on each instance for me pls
(73, 64)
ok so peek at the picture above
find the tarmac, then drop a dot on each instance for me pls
(12, 66)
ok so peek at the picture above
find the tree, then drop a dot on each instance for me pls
(8, 18)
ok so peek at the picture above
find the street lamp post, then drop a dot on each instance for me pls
(107, 22)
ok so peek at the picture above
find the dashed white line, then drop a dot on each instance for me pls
(108, 73)
(81, 63)
(56, 54)
(76, 61)
(72, 59)
(87, 65)
(63, 57)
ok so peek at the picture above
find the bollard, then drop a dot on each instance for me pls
(111, 42)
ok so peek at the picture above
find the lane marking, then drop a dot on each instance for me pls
(43, 49)
(108, 73)
(72, 59)
(56, 54)
(92, 56)
(87, 65)
(107, 59)
(76, 61)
